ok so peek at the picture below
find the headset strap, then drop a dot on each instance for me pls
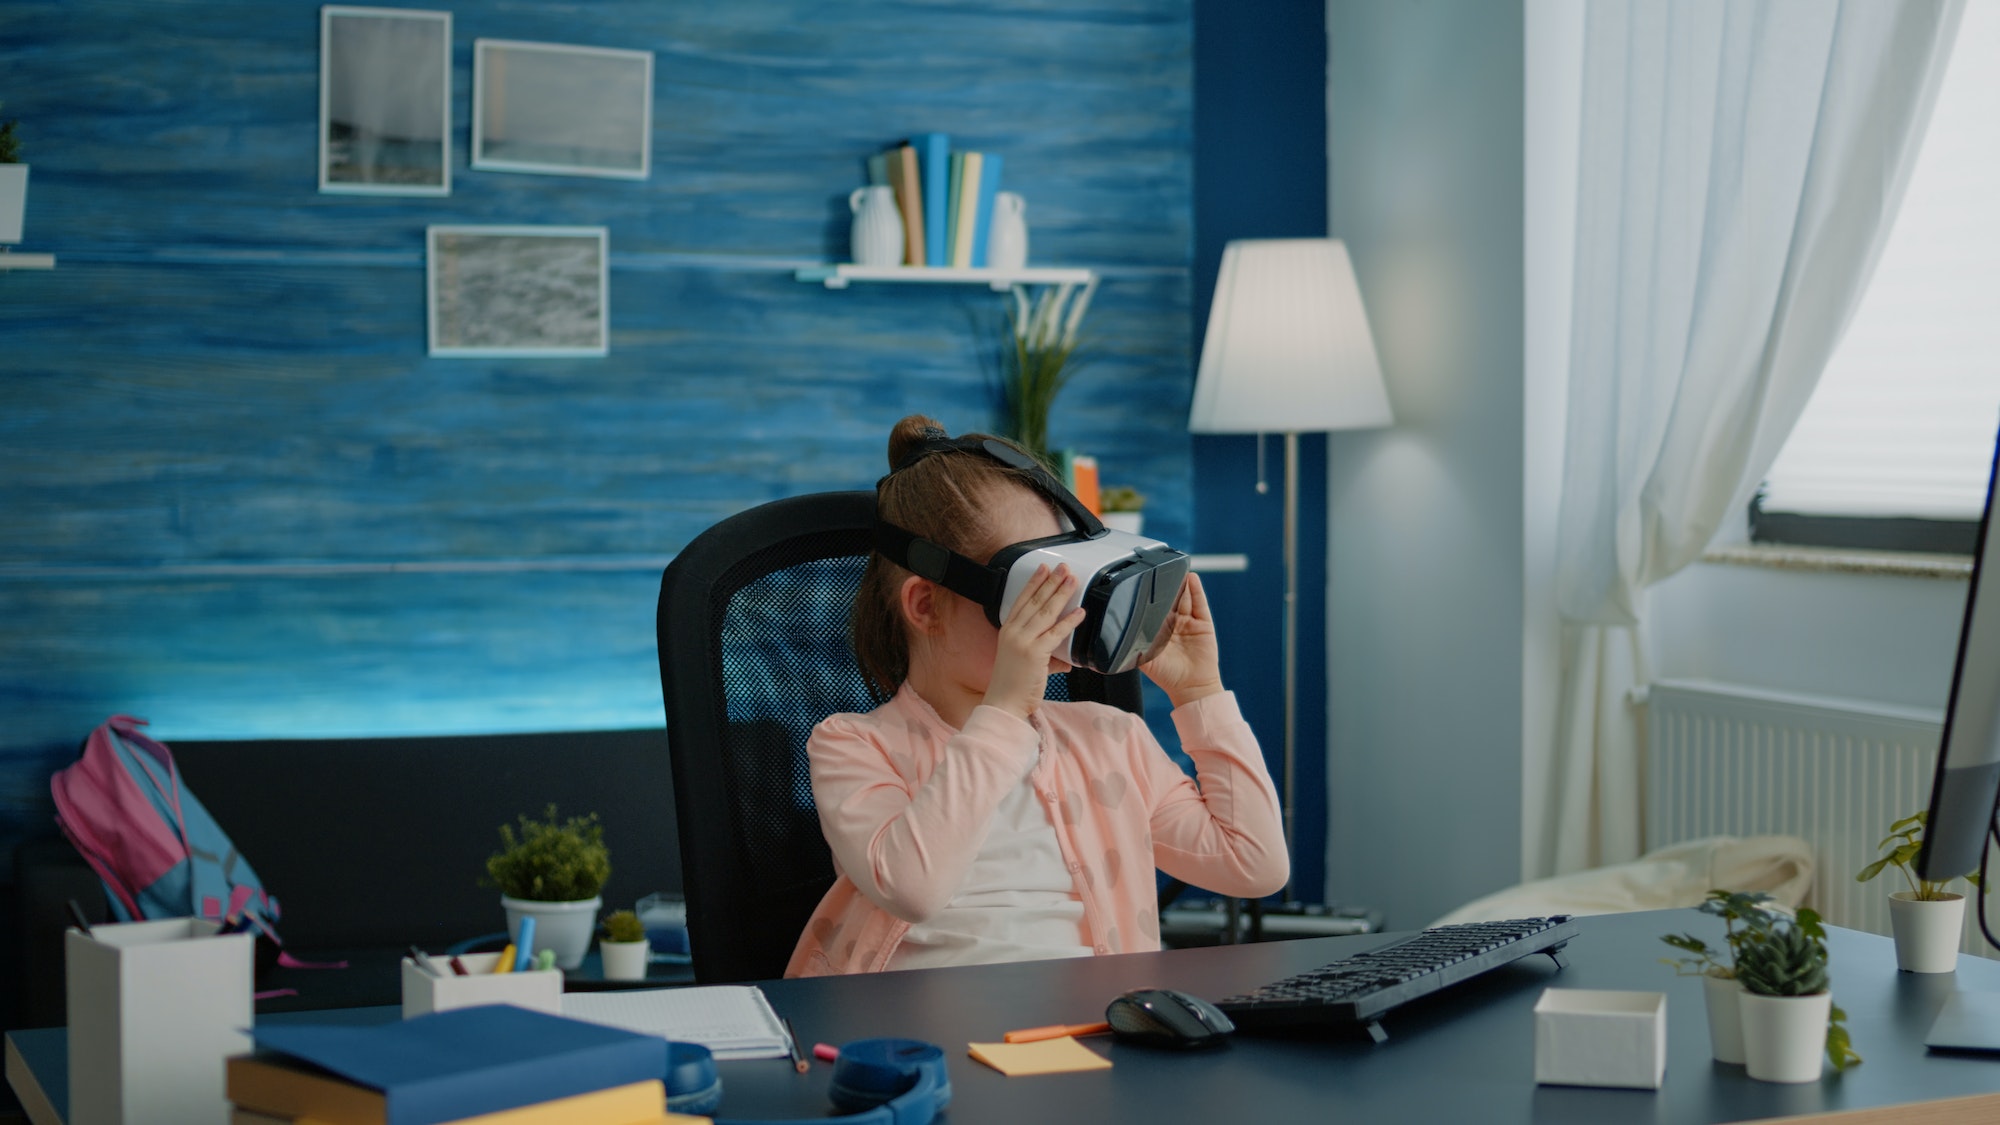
(942, 565)
(934, 441)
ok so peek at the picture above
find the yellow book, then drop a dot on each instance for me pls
(965, 207)
(267, 1085)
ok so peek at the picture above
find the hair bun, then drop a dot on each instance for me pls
(909, 436)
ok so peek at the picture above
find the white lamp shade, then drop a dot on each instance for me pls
(1288, 348)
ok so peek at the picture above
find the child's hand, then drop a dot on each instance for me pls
(1189, 667)
(1037, 627)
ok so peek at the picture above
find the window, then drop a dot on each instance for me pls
(1895, 448)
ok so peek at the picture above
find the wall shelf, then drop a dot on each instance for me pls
(14, 261)
(840, 275)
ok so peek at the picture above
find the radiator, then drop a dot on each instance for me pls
(1736, 761)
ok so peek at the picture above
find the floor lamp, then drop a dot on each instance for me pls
(1288, 351)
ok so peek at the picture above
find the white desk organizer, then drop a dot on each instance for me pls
(1588, 1037)
(154, 1009)
(423, 993)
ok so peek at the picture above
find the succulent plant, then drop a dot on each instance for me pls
(1787, 962)
(623, 925)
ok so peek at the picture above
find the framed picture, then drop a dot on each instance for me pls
(532, 291)
(384, 101)
(568, 111)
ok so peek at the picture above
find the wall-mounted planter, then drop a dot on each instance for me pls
(13, 200)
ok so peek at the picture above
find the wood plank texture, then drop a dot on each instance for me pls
(240, 500)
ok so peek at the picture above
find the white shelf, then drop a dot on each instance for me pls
(14, 261)
(839, 276)
(1219, 564)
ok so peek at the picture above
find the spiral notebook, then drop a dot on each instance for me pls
(734, 1021)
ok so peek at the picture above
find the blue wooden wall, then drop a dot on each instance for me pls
(239, 499)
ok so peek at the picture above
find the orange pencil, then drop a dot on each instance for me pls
(1056, 1031)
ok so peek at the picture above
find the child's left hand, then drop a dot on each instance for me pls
(1189, 667)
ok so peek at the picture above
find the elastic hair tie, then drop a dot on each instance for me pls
(932, 433)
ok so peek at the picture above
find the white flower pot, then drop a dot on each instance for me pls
(1125, 521)
(1927, 932)
(624, 960)
(1784, 1037)
(565, 927)
(13, 200)
(1725, 1018)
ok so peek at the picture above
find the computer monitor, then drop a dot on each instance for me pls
(1967, 782)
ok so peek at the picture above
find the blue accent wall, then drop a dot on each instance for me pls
(239, 500)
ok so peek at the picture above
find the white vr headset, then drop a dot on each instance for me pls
(1126, 583)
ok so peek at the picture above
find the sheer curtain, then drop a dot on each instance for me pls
(1740, 165)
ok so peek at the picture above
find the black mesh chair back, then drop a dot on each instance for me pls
(754, 651)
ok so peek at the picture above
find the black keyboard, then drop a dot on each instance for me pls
(1357, 990)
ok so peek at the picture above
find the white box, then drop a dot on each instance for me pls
(1588, 1037)
(423, 993)
(154, 1009)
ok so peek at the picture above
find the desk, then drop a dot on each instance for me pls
(1467, 1055)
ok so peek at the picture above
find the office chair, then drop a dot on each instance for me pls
(753, 637)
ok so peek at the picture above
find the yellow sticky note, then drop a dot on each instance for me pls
(1050, 1056)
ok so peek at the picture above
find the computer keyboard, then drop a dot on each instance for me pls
(1358, 989)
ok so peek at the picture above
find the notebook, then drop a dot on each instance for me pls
(734, 1021)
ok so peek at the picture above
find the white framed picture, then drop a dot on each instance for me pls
(384, 101)
(561, 110)
(517, 290)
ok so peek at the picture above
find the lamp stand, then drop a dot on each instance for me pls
(1291, 642)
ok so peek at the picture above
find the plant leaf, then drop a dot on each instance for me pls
(1872, 870)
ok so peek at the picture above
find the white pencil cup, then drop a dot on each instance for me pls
(539, 989)
(154, 1009)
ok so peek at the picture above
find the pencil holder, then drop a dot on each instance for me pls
(539, 989)
(154, 1009)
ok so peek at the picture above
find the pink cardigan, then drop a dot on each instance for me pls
(904, 801)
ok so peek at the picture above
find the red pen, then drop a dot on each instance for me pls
(458, 966)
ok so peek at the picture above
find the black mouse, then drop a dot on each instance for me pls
(1166, 1017)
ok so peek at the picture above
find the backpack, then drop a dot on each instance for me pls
(156, 849)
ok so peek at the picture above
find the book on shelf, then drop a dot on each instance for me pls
(965, 205)
(952, 197)
(878, 170)
(989, 186)
(442, 1067)
(934, 167)
(906, 177)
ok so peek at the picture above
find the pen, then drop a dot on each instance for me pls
(458, 967)
(799, 1062)
(76, 915)
(1056, 1031)
(506, 962)
(423, 962)
(524, 945)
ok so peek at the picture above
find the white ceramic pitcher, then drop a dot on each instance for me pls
(877, 236)
(1007, 242)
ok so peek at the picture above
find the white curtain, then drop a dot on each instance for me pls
(1740, 165)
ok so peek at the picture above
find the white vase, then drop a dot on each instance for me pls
(624, 960)
(1125, 521)
(1007, 240)
(565, 927)
(1725, 1018)
(1927, 932)
(13, 200)
(877, 234)
(1784, 1037)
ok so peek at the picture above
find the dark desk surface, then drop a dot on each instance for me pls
(1467, 1055)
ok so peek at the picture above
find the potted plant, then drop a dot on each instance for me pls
(1926, 919)
(1037, 358)
(624, 946)
(1745, 918)
(1123, 509)
(13, 184)
(552, 870)
(1788, 1015)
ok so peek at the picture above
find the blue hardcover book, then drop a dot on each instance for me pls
(469, 1061)
(934, 164)
(989, 183)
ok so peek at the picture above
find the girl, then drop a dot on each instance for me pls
(972, 821)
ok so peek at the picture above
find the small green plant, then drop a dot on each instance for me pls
(1900, 849)
(1790, 959)
(1121, 499)
(10, 142)
(1745, 919)
(1037, 358)
(623, 925)
(550, 860)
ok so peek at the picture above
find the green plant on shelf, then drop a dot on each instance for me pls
(10, 141)
(1038, 358)
(1900, 848)
(1121, 499)
(623, 925)
(551, 860)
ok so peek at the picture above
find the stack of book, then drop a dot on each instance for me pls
(946, 198)
(492, 1065)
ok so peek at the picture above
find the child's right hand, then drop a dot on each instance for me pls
(1037, 627)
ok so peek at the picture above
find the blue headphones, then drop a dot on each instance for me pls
(875, 1082)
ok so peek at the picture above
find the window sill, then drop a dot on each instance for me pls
(1837, 560)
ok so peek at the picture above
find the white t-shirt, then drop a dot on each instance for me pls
(1017, 903)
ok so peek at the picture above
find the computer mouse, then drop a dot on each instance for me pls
(1166, 1017)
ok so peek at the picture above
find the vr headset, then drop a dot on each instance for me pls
(1126, 583)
